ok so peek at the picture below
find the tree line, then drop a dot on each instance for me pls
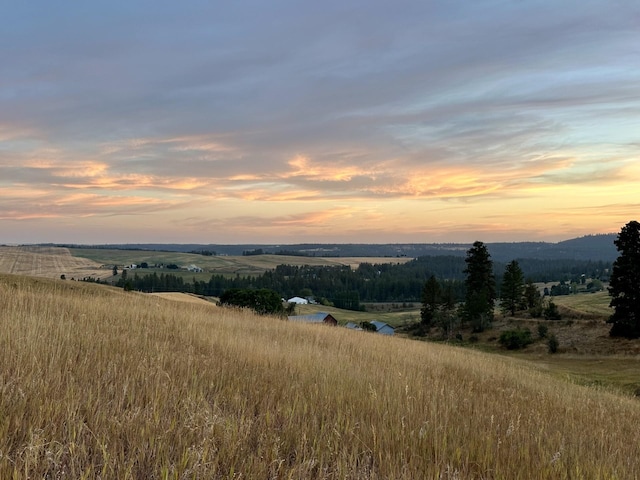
(481, 293)
(345, 287)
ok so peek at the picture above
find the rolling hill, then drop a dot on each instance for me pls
(148, 387)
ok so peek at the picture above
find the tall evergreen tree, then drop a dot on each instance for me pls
(624, 285)
(512, 289)
(480, 287)
(531, 295)
(431, 300)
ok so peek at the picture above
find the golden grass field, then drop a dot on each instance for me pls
(96, 382)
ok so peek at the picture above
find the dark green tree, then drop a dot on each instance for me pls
(115, 270)
(512, 289)
(480, 288)
(532, 296)
(624, 285)
(551, 312)
(431, 301)
(262, 301)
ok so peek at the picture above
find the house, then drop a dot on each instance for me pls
(320, 317)
(298, 301)
(194, 268)
(382, 327)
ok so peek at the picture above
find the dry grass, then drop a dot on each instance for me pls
(99, 383)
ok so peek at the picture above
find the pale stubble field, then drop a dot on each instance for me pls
(49, 262)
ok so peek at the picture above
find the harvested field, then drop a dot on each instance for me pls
(49, 262)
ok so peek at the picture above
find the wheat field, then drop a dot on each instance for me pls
(100, 383)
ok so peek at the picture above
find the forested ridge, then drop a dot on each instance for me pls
(589, 247)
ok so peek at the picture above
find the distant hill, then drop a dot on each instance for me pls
(590, 247)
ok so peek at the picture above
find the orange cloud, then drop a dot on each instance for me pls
(304, 167)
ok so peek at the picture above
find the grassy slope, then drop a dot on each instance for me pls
(96, 382)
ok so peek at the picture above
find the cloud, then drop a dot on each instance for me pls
(146, 107)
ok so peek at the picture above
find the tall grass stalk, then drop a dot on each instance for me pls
(99, 383)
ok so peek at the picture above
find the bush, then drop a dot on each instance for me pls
(368, 326)
(553, 344)
(536, 311)
(515, 339)
(551, 312)
(542, 330)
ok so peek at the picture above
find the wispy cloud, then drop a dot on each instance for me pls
(342, 116)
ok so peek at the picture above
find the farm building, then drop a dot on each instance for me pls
(298, 300)
(194, 268)
(353, 326)
(383, 328)
(320, 317)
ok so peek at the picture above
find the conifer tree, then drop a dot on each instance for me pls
(512, 289)
(480, 287)
(624, 285)
(431, 300)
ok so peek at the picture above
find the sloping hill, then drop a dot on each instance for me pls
(152, 388)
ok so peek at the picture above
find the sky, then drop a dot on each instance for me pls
(282, 122)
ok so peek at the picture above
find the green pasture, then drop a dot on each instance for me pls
(586, 303)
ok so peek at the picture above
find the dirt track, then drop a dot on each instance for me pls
(50, 262)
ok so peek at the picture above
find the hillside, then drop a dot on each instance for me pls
(147, 387)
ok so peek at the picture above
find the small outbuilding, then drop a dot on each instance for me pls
(298, 301)
(353, 326)
(320, 317)
(383, 328)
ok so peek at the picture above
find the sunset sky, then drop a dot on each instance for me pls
(337, 121)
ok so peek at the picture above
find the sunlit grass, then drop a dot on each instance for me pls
(99, 383)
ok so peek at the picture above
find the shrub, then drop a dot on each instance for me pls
(542, 330)
(551, 312)
(515, 339)
(368, 326)
(537, 311)
(553, 344)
